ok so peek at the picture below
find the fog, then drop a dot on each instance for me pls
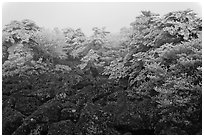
(88, 15)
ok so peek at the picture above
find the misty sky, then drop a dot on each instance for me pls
(88, 15)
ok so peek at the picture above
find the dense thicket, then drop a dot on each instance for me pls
(147, 79)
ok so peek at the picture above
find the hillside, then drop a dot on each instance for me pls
(144, 80)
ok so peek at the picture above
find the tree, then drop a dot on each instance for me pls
(49, 45)
(17, 33)
(99, 37)
(92, 49)
(26, 47)
(164, 64)
(74, 40)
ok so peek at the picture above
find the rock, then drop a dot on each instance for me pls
(69, 113)
(28, 126)
(47, 113)
(4, 97)
(127, 133)
(9, 88)
(173, 131)
(14, 86)
(61, 128)
(93, 121)
(135, 117)
(23, 92)
(8, 102)
(41, 129)
(11, 120)
(82, 83)
(44, 94)
(199, 132)
(27, 105)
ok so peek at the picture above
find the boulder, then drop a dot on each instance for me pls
(47, 113)
(61, 128)
(11, 120)
(27, 105)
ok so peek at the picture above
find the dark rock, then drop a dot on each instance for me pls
(68, 104)
(110, 107)
(128, 123)
(172, 131)
(8, 102)
(88, 126)
(47, 113)
(14, 85)
(44, 94)
(134, 117)
(102, 93)
(28, 126)
(27, 105)
(82, 83)
(127, 133)
(93, 121)
(61, 128)
(23, 92)
(41, 129)
(11, 120)
(69, 111)
(199, 132)
(81, 97)
(4, 97)
(9, 88)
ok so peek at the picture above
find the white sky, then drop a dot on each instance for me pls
(88, 15)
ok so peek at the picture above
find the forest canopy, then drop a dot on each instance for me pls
(147, 79)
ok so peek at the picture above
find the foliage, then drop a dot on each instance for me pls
(74, 39)
(49, 44)
(92, 56)
(28, 48)
(154, 69)
(164, 63)
(21, 67)
(99, 37)
(92, 49)
(62, 68)
(16, 33)
(19, 31)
